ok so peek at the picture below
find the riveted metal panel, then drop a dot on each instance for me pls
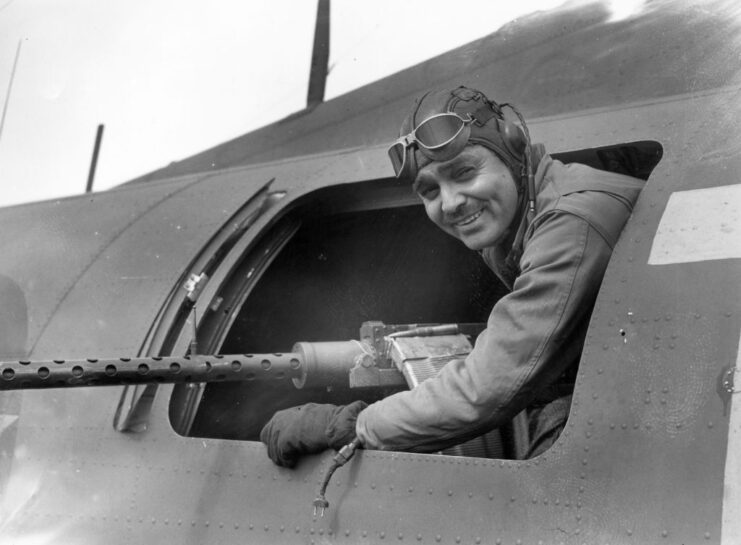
(48, 246)
(112, 306)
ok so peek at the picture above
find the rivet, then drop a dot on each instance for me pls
(400, 536)
(664, 533)
(457, 539)
(710, 424)
(491, 496)
(365, 534)
(630, 532)
(419, 537)
(512, 499)
(298, 530)
(624, 426)
(707, 535)
(283, 528)
(450, 492)
(470, 494)
(382, 535)
(267, 528)
(411, 489)
(373, 486)
(438, 537)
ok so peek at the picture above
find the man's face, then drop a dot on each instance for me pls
(472, 196)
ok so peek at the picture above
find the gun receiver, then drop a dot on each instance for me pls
(359, 364)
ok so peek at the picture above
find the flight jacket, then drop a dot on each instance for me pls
(535, 333)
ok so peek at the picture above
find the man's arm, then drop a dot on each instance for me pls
(530, 339)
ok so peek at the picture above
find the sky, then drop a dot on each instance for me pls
(170, 78)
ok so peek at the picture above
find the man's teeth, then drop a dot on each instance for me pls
(469, 219)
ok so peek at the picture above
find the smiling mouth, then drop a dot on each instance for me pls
(469, 219)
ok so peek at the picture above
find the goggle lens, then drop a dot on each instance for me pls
(432, 134)
(397, 154)
(438, 131)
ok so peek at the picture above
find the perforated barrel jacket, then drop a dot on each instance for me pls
(534, 333)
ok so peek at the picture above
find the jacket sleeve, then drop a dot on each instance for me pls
(532, 334)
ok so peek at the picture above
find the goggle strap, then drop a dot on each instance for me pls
(483, 114)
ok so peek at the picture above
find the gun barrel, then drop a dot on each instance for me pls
(21, 375)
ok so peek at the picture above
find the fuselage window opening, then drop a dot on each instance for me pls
(362, 255)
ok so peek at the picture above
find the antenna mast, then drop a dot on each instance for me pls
(319, 56)
(94, 161)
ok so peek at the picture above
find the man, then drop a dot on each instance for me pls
(546, 229)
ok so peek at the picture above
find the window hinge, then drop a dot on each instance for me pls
(729, 380)
(194, 285)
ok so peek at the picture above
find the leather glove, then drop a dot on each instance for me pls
(308, 429)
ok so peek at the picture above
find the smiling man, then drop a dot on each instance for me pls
(546, 229)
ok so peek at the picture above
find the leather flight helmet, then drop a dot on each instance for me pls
(489, 128)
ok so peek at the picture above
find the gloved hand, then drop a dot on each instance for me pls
(308, 429)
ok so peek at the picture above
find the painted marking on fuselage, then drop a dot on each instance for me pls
(699, 225)
(731, 526)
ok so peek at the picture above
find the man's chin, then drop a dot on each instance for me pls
(473, 243)
(478, 241)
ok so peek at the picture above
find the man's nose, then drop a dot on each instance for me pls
(452, 200)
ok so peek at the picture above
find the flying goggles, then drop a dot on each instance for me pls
(432, 136)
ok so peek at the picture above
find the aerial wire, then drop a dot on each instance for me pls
(10, 86)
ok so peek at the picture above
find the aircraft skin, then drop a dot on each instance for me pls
(652, 449)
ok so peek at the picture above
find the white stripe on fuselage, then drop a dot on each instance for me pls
(731, 525)
(699, 225)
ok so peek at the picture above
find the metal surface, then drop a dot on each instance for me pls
(420, 358)
(650, 453)
(548, 63)
(112, 372)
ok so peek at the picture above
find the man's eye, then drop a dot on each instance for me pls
(464, 171)
(427, 192)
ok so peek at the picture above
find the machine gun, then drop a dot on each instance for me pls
(385, 355)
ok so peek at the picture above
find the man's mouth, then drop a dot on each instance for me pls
(469, 219)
